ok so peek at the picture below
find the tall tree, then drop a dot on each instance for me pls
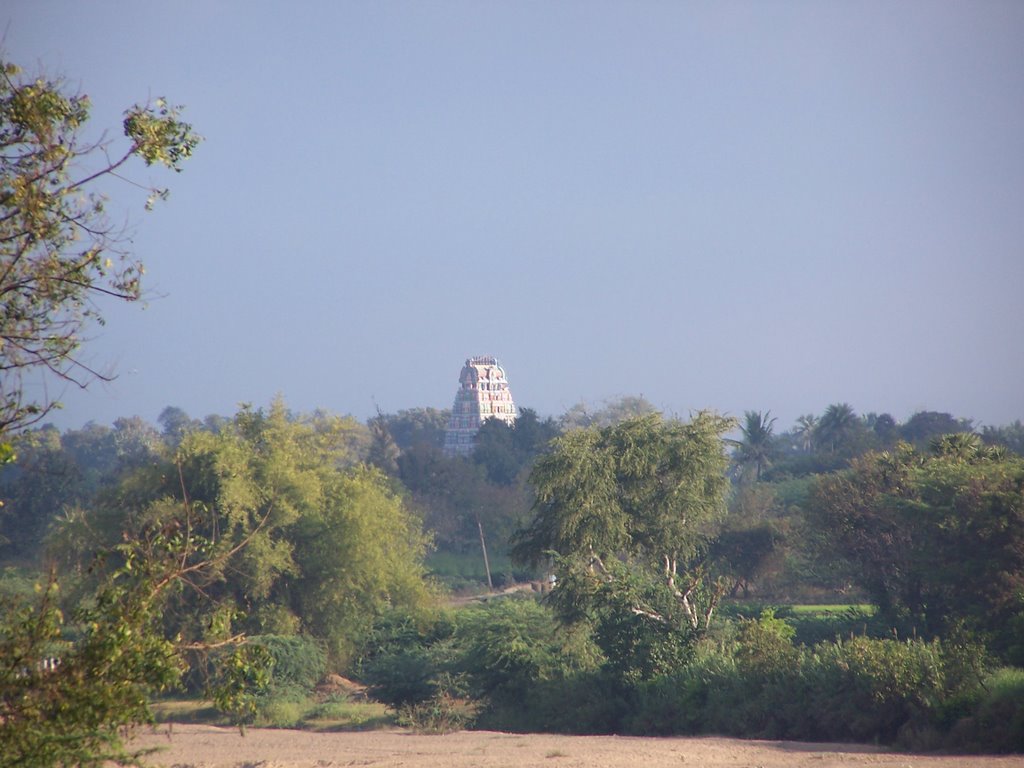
(328, 543)
(806, 427)
(643, 493)
(610, 413)
(756, 446)
(75, 682)
(59, 252)
(836, 427)
(936, 537)
(1011, 436)
(506, 450)
(34, 490)
(924, 426)
(418, 426)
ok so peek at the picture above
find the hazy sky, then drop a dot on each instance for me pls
(728, 205)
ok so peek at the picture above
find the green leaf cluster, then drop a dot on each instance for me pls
(59, 252)
(937, 537)
(304, 539)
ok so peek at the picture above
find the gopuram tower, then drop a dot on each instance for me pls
(483, 394)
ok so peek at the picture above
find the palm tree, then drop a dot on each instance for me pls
(835, 425)
(806, 426)
(756, 446)
(960, 446)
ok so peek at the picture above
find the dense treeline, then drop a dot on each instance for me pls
(331, 542)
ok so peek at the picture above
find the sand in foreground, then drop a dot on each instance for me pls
(201, 746)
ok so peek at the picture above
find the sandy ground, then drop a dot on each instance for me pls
(201, 746)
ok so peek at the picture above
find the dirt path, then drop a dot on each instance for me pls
(200, 746)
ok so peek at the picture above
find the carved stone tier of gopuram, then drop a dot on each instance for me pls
(483, 394)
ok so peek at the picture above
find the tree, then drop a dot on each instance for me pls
(383, 452)
(329, 544)
(885, 428)
(505, 450)
(921, 428)
(934, 538)
(756, 447)
(627, 507)
(358, 554)
(175, 424)
(806, 427)
(417, 426)
(612, 412)
(33, 490)
(71, 689)
(840, 432)
(1010, 436)
(59, 252)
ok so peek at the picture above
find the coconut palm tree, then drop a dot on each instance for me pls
(835, 426)
(806, 426)
(756, 446)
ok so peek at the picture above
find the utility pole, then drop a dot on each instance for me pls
(483, 546)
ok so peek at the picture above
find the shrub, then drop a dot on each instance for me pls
(585, 703)
(996, 721)
(442, 713)
(403, 677)
(858, 690)
(511, 644)
(867, 690)
(297, 660)
(404, 658)
(280, 712)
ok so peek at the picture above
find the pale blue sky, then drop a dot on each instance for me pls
(728, 205)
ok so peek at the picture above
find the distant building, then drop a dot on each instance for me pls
(483, 394)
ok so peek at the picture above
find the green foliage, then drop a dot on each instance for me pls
(418, 426)
(925, 426)
(1010, 436)
(511, 645)
(361, 552)
(505, 451)
(305, 539)
(870, 689)
(839, 431)
(58, 250)
(639, 626)
(938, 538)
(611, 412)
(243, 675)
(441, 713)
(647, 492)
(995, 723)
(856, 690)
(296, 660)
(756, 448)
(407, 659)
(111, 657)
(404, 677)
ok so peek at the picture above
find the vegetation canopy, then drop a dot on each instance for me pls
(626, 513)
(59, 251)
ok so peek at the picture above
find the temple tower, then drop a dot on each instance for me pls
(483, 394)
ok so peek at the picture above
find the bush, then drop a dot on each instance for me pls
(403, 677)
(995, 722)
(280, 712)
(405, 658)
(297, 660)
(867, 690)
(591, 702)
(911, 693)
(510, 645)
(441, 713)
